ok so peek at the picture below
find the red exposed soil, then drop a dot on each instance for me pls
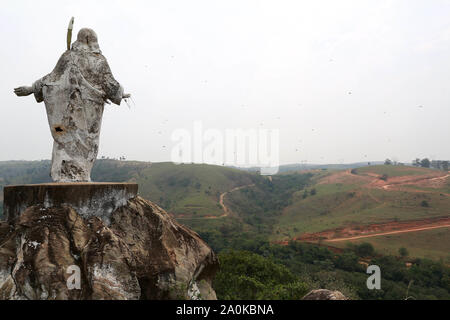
(373, 230)
(435, 179)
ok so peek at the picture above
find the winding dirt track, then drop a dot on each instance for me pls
(226, 210)
(387, 233)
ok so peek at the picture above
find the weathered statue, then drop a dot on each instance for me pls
(74, 94)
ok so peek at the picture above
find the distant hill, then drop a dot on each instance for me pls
(305, 166)
(185, 189)
(371, 200)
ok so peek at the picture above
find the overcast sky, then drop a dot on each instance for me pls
(343, 81)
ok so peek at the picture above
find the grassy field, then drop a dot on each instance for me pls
(189, 189)
(394, 171)
(333, 210)
(432, 244)
(326, 210)
(346, 199)
(443, 189)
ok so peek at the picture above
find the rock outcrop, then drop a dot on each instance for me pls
(141, 253)
(324, 294)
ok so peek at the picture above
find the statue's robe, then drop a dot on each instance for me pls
(74, 94)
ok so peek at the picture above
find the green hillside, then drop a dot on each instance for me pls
(185, 189)
(350, 205)
(393, 171)
(430, 244)
(346, 199)
(351, 200)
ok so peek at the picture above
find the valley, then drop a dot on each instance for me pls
(331, 206)
(319, 224)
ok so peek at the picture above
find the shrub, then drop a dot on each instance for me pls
(364, 249)
(425, 204)
(403, 252)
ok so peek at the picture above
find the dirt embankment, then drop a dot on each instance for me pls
(369, 180)
(436, 179)
(374, 230)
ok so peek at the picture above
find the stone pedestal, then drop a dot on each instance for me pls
(98, 199)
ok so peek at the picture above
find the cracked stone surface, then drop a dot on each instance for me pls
(88, 199)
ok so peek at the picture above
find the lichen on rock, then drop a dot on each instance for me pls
(143, 254)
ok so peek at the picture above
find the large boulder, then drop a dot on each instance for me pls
(139, 253)
(324, 294)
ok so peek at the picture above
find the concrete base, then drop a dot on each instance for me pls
(89, 199)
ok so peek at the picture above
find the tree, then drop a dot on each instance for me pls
(388, 162)
(416, 162)
(445, 165)
(313, 192)
(403, 252)
(365, 249)
(305, 194)
(347, 261)
(425, 163)
(425, 204)
(246, 275)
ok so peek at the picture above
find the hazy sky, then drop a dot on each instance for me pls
(343, 81)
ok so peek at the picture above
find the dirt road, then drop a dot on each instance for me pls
(416, 181)
(226, 210)
(388, 233)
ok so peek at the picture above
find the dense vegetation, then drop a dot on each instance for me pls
(259, 206)
(246, 275)
(307, 267)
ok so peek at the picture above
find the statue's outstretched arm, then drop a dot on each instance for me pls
(23, 91)
(37, 86)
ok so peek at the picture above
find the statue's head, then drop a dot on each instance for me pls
(86, 41)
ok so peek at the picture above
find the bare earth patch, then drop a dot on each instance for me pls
(373, 230)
